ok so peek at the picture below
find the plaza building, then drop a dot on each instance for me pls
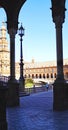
(38, 71)
(44, 71)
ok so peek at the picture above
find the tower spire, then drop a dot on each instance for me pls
(3, 38)
(3, 31)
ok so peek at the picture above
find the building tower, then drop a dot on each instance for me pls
(4, 52)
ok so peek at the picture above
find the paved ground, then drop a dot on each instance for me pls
(36, 113)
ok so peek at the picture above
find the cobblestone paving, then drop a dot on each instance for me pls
(36, 113)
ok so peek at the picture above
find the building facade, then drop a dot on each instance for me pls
(44, 71)
(38, 71)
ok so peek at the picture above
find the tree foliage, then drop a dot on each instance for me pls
(29, 80)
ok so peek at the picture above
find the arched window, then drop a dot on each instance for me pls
(40, 76)
(67, 75)
(25, 76)
(36, 76)
(29, 76)
(32, 75)
(44, 76)
(55, 75)
(47, 75)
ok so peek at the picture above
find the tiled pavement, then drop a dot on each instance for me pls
(36, 113)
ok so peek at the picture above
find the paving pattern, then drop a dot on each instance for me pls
(36, 113)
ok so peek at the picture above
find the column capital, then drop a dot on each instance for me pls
(12, 25)
(58, 21)
(12, 31)
(58, 9)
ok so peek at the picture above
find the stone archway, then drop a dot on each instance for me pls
(12, 9)
(12, 26)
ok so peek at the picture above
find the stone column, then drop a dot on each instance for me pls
(12, 53)
(60, 102)
(13, 85)
(59, 49)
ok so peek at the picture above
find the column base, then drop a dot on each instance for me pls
(3, 125)
(60, 95)
(13, 93)
(22, 91)
(3, 91)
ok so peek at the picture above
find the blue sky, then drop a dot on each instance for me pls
(39, 41)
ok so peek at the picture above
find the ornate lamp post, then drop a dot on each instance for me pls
(21, 34)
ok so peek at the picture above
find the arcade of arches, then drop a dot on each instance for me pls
(44, 70)
(60, 101)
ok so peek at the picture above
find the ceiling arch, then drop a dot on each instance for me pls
(12, 8)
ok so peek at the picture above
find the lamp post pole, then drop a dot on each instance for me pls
(21, 80)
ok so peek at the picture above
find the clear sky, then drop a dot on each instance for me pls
(39, 41)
